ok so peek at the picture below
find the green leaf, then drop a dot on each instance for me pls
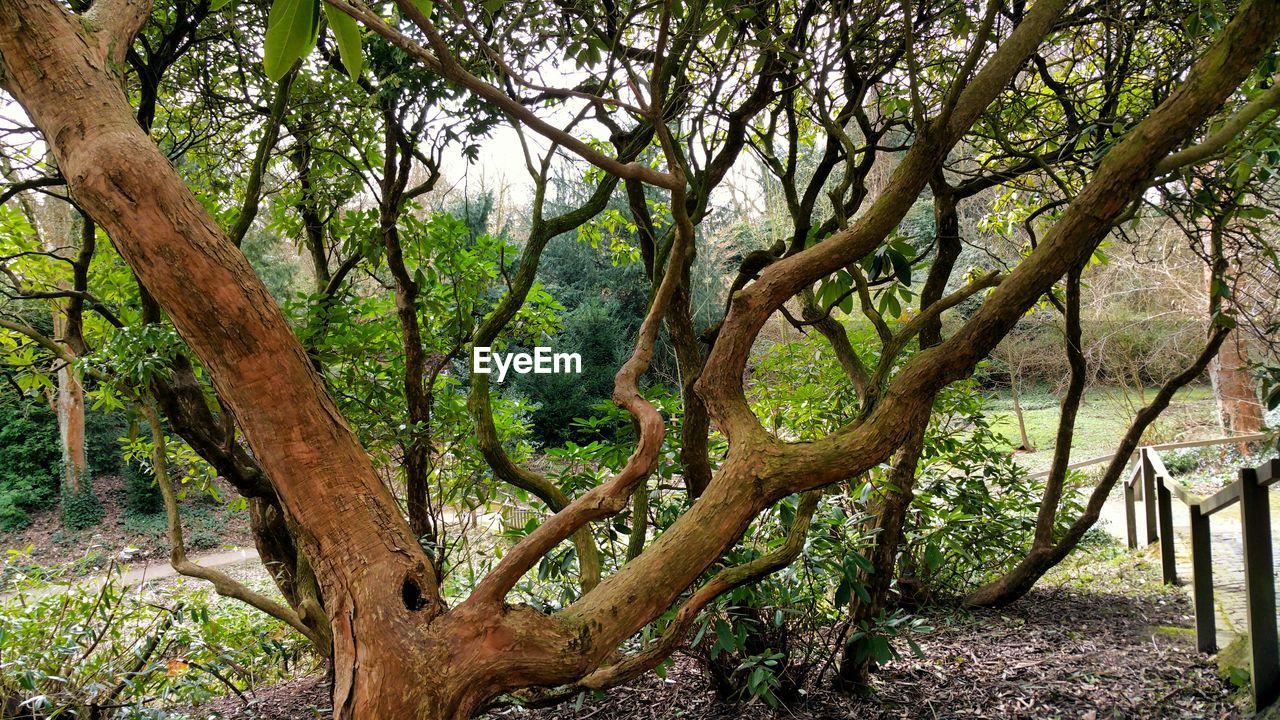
(425, 6)
(932, 556)
(901, 266)
(291, 29)
(217, 5)
(347, 34)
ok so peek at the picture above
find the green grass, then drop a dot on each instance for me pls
(1104, 416)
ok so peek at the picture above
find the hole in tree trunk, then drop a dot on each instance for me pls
(412, 595)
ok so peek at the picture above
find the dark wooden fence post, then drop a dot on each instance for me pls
(1202, 582)
(1259, 588)
(1168, 563)
(1130, 516)
(1149, 496)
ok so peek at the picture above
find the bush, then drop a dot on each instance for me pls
(30, 458)
(102, 440)
(81, 509)
(141, 495)
(594, 332)
(103, 652)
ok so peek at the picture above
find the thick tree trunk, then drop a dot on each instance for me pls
(1239, 408)
(75, 462)
(63, 70)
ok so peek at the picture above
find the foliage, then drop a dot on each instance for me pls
(30, 459)
(594, 331)
(81, 507)
(103, 431)
(95, 648)
(598, 277)
(974, 507)
(141, 495)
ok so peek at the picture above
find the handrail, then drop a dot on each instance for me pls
(1224, 498)
(1181, 445)
(1150, 480)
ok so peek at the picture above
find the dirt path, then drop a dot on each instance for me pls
(149, 569)
(1061, 652)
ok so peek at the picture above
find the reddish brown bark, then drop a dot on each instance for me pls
(64, 74)
(397, 651)
(1239, 407)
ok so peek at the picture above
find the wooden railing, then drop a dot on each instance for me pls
(1150, 479)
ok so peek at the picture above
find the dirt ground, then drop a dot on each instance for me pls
(1088, 645)
(57, 553)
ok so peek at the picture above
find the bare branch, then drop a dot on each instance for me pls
(441, 62)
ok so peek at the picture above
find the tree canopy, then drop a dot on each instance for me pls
(245, 218)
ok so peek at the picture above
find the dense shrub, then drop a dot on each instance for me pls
(102, 652)
(103, 431)
(81, 509)
(141, 495)
(30, 459)
(593, 332)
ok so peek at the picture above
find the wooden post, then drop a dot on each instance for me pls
(1130, 516)
(1202, 582)
(1149, 496)
(1168, 563)
(1259, 588)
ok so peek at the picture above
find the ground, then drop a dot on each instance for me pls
(45, 547)
(1100, 638)
(1104, 415)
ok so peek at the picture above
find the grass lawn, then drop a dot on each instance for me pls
(1104, 416)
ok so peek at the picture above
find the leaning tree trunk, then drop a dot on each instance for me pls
(377, 583)
(1234, 388)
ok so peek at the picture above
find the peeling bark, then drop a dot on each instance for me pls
(398, 652)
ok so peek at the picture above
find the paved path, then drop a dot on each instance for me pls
(1224, 541)
(149, 569)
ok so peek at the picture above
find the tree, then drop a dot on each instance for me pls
(398, 648)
